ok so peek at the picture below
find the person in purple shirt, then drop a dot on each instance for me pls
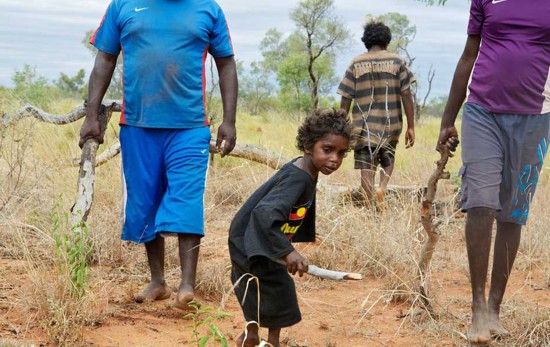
(505, 126)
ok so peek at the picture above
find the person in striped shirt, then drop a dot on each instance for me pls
(379, 83)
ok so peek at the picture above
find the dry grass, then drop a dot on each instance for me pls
(378, 245)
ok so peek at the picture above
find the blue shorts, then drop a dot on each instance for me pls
(165, 175)
(502, 157)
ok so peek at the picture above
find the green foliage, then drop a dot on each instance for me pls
(402, 32)
(206, 316)
(72, 249)
(255, 88)
(435, 106)
(72, 86)
(33, 88)
(303, 63)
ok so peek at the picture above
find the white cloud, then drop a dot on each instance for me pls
(48, 33)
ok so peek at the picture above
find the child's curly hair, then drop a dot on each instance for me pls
(321, 122)
(376, 34)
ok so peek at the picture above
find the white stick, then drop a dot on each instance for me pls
(332, 275)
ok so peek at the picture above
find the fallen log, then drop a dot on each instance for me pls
(32, 111)
(356, 195)
(244, 151)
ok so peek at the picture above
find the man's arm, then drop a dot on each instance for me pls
(100, 78)
(458, 93)
(229, 88)
(408, 105)
(345, 104)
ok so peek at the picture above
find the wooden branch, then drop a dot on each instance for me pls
(32, 111)
(332, 275)
(431, 75)
(314, 270)
(244, 151)
(254, 153)
(430, 226)
(86, 176)
(103, 157)
(358, 196)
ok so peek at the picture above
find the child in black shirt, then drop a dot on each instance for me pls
(280, 211)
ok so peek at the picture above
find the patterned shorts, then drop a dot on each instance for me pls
(502, 157)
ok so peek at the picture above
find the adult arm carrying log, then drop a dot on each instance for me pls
(91, 135)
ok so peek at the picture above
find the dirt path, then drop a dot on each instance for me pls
(334, 314)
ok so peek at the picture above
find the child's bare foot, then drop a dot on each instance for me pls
(496, 328)
(183, 299)
(380, 199)
(478, 333)
(249, 338)
(153, 291)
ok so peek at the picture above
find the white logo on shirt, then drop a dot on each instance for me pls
(203, 151)
(497, 1)
(138, 9)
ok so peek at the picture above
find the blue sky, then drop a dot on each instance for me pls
(47, 34)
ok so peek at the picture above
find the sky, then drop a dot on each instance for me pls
(47, 34)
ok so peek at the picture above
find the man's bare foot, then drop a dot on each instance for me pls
(495, 327)
(183, 299)
(153, 291)
(478, 333)
(250, 337)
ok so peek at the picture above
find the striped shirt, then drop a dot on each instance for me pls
(375, 80)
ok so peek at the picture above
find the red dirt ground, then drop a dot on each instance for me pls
(349, 313)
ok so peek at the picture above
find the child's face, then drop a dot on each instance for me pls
(328, 152)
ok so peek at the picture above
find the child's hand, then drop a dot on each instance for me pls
(296, 263)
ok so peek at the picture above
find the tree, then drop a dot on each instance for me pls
(303, 62)
(322, 32)
(74, 86)
(403, 33)
(255, 87)
(32, 87)
(115, 90)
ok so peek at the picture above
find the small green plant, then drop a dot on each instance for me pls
(202, 316)
(72, 249)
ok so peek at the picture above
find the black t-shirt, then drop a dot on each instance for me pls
(280, 211)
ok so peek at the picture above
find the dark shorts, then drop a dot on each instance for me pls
(278, 300)
(164, 176)
(370, 157)
(502, 157)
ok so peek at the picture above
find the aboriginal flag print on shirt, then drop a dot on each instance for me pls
(292, 228)
(279, 212)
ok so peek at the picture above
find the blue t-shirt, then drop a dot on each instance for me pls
(164, 45)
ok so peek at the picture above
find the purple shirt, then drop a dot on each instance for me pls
(511, 73)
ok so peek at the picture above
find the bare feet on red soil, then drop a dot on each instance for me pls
(183, 299)
(478, 333)
(153, 291)
(250, 337)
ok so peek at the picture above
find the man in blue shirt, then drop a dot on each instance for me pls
(164, 132)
